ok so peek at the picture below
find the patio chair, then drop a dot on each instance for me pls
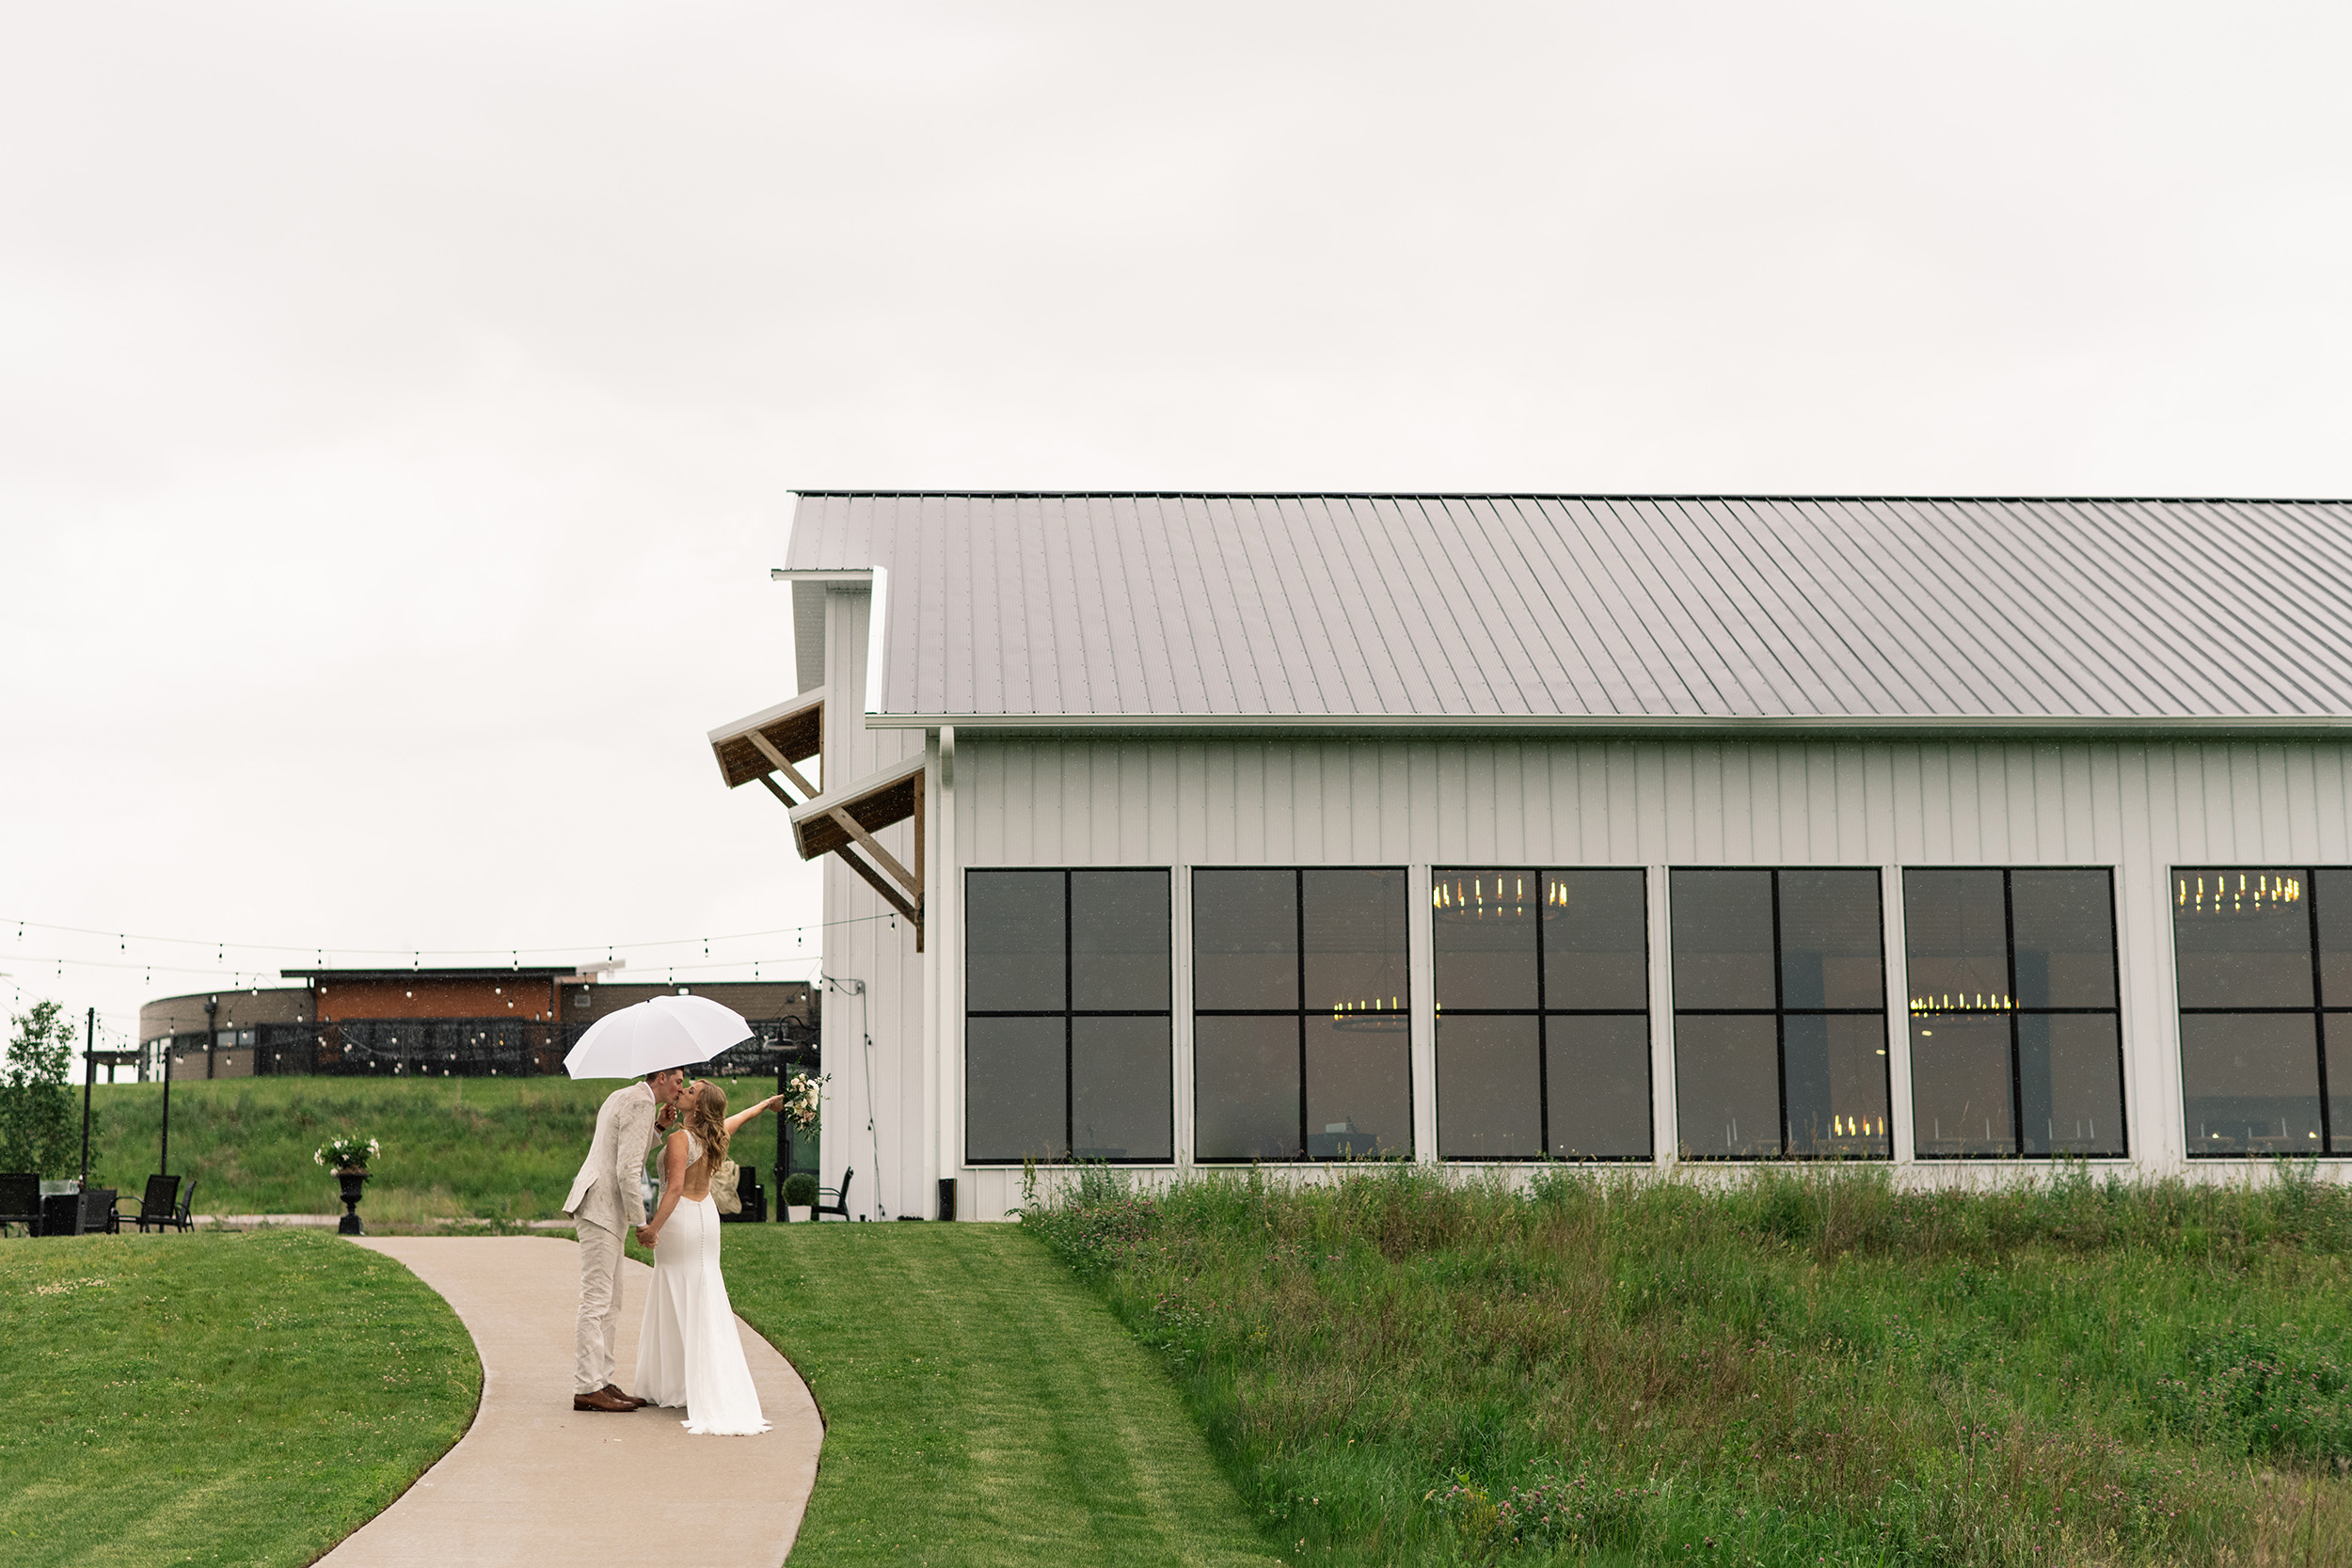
(841, 1196)
(97, 1212)
(183, 1217)
(155, 1205)
(20, 1202)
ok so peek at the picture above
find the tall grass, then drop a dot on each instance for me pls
(500, 1148)
(1810, 1368)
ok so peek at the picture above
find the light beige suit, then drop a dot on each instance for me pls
(607, 1199)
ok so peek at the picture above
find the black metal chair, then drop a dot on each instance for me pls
(97, 1212)
(841, 1196)
(20, 1202)
(156, 1204)
(183, 1216)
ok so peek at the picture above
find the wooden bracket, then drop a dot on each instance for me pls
(767, 749)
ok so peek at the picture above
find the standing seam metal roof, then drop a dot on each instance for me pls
(1202, 606)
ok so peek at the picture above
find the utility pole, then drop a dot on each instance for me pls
(89, 1076)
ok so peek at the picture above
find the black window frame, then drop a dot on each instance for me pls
(1780, 1013)
(2016, 1074)
(1404, 1013)
(1068, 1015)
(2317, 1011)
(1543, 1034)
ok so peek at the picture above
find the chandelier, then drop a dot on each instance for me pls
(1504, 897)
(1371, 1014)
(2249, 892)
(1980, 1002)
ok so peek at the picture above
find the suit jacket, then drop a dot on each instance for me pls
(611, 1186)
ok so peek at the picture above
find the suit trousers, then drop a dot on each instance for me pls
(599, 1306)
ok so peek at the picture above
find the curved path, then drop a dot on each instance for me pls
(533, 1481)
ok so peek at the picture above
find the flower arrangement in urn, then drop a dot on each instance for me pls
(347, 1153)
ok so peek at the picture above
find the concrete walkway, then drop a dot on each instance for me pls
(533, 1481)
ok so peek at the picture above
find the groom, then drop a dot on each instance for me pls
(608, 1197)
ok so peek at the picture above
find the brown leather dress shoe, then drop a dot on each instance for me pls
(634, 1402)
(599, 1401)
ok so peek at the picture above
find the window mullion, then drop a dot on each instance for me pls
(1780, 1020)
(2319, 1008)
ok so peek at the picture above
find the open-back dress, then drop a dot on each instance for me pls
(689, 1352)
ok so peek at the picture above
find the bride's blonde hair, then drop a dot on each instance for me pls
(706, 1119)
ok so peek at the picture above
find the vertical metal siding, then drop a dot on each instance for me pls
(2139, 807)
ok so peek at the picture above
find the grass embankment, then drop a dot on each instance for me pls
(497, 1148)
(1797, 1371)
(233, 1398)
(982, 1407)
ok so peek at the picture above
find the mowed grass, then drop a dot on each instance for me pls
(215, 1397)
(982, 1407)
(1400, 1369)
(495, 1148)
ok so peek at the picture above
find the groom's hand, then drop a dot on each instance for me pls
(644, 1235)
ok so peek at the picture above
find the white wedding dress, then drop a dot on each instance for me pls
(690, 1353)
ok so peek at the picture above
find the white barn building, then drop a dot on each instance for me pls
(1179, 830)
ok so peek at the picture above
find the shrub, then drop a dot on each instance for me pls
(800, 1189)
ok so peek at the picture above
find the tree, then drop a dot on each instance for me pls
(37, 1123)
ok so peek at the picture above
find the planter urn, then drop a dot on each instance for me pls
(354, 1179)
(797, 1211)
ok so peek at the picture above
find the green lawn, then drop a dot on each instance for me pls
(498, 1149)
(1797, 1371)
(983, 1406)
(215, 1398)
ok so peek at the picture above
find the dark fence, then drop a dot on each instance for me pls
(456, 1048)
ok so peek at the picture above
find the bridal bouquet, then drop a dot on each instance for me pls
(347, 1153)
(802, 1094)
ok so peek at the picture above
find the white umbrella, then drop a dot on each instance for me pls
(654, 1035)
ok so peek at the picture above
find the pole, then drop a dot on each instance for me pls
(89, 1076)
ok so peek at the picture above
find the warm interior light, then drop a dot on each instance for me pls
(2246, 892)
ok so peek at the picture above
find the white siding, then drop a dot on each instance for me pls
(865, 943)
(2139, 807)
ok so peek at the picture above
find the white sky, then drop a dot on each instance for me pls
(399, 401)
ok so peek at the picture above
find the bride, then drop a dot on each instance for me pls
(689, 1353)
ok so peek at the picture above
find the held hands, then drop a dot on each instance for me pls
(647, 1236)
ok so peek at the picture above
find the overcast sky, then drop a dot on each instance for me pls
(399, 403)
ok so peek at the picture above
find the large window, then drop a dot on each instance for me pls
(1066, 1017)
(2014, 1043)
(1780, 1014)
(2265, 954)
(1301, 1031)
(1543, 1013)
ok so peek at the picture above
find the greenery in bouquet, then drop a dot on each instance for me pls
(802, 1097)
(347, 1153)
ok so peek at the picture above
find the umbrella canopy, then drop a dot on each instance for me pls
(654, 1035)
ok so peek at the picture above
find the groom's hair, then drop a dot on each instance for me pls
(651, 1076)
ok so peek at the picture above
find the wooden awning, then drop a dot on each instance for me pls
(838, 822)
(770, 741)
(844, 822)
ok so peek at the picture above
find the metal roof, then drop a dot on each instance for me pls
(1635, 610)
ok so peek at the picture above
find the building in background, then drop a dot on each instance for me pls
(1183, 832)
(441, 1022)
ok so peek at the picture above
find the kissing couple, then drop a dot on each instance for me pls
(689, 1353)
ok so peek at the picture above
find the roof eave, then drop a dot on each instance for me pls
(2268, 726)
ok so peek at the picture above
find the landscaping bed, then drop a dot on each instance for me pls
(216, 1398)
(1800, 1369)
